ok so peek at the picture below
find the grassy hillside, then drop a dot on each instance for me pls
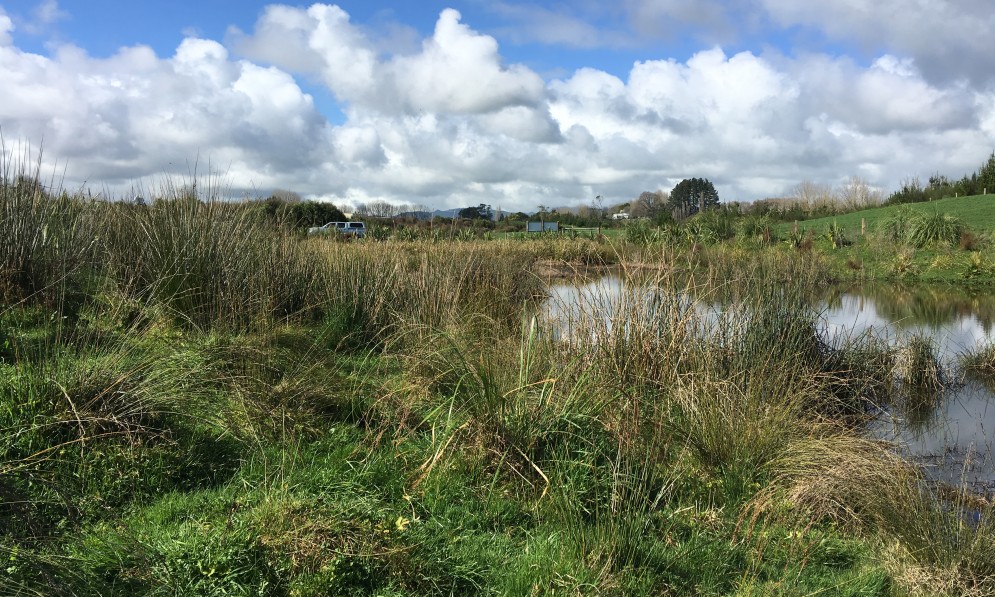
(977, 211)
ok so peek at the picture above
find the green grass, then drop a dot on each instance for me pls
(975, 210)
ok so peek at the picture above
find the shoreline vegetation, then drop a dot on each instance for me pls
(195, 399)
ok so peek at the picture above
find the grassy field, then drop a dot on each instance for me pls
(977, 211)
(196, 401)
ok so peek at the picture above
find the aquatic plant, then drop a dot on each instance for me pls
(922, 377)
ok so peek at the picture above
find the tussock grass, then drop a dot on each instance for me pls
(864, 485)
(935, 228)
(921, 375)
(980, 363)
(382, 290)
(897, 226)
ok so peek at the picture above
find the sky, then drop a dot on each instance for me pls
(509, 103)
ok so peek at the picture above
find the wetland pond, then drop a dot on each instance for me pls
(953, 438)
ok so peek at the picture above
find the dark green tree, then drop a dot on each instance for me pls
(986, 176)
(481, 212)
(300, 214)
(692, 194)
(314, 213)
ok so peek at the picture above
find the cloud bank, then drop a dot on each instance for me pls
(450, 122)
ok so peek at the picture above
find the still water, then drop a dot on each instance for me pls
(954, 440)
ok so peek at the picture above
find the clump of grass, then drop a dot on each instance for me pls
(730, 267)
(935, 229)
(865, 486)
(977, 266)
(739, 425)
(757, 227)
(609, 506)
(904, 265)
(969, 241)
(921, 374)
(640, 233)
(896, 227)
(980, 363)
(855, 376)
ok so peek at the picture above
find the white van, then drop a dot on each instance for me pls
(357, 229)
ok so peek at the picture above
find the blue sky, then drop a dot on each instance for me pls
(510, 103)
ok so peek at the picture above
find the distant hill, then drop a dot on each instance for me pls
(428, 215)
(448, 213)
(453, 213)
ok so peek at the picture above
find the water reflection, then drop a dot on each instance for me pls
(952, 435)
(957, 326)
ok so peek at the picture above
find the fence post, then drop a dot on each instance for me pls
(863, 226)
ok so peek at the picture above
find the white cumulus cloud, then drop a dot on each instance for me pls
(448, 121)
(135, 115)
(456, 71)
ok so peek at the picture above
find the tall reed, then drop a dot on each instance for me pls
(47, 237)
(210, 262)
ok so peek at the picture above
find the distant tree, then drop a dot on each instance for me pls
(598, 206)
(813, 194)
(286, 196)
(937, 181)
(586, 212)
(911, 192)
(298, 214)
(378, 209)
(986, 176)
(691, 194)
(856, 194)
(966, 186)
(481, 212)
(305, 214)
(650, 205)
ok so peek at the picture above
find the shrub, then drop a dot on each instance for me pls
(969, 241)
(837, 235)
(904, 263)
(758, 227)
